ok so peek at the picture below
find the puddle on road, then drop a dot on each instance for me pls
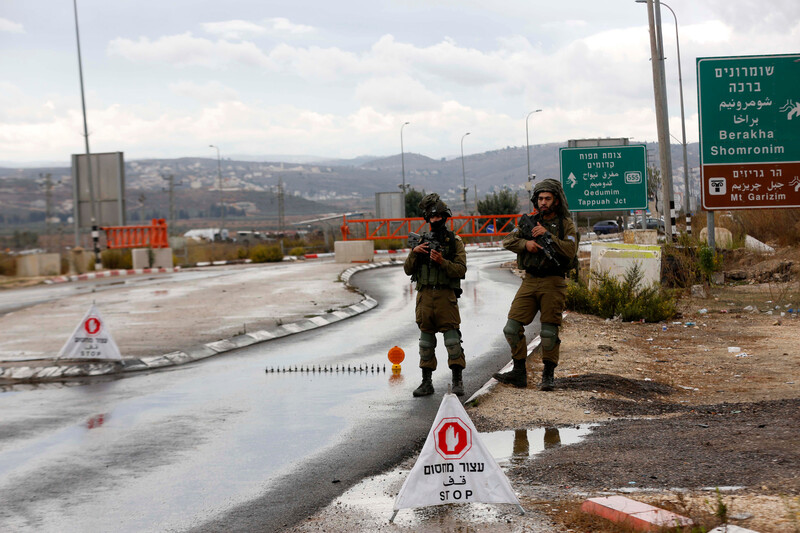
(516, 446)
(368, 505)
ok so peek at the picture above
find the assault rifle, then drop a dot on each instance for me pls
(415, 239)
(526, 226)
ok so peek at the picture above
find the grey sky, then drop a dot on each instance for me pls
(338, 79)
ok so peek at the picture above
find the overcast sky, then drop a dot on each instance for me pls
(338, 79)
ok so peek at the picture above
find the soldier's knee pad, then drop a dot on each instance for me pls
(549, 336)
(513, 331)
(452, 341)
(427, 345)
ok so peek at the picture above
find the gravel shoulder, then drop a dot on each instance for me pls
(693, 415)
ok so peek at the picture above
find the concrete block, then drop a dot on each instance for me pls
(640, 236)
(699, 291)
(34, 265)
(141, 258)
(723, 238)
(152, 258)
(80, 260)
(636, 515)
(354, 251)
(162, 258)
(615, 259)
(751, 243)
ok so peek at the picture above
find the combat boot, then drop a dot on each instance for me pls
(548, 380)
(426, 387)
(517, 377)
(458, 385)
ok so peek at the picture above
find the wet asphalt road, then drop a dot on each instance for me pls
(14, 300)
(223, 445)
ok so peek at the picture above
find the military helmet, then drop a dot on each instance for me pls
(553, 187)
(432, 205)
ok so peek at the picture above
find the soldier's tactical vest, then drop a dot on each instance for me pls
(538, 264)
(430, 273)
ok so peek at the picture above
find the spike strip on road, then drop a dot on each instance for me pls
(313, 369)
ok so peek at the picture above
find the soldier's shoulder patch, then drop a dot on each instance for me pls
(571, 238)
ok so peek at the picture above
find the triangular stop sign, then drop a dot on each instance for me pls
(90, 340)
(454, 466)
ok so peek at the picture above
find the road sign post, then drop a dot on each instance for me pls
(749, 109)
(604, 178)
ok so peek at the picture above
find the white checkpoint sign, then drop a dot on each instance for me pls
(90, 340)
(454, 466)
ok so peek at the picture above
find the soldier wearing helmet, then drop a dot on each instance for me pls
(543, 289)
(437, 269)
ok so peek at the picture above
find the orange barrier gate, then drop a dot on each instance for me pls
(399, 228)
(153, 236)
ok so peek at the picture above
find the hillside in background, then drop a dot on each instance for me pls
(250, 189)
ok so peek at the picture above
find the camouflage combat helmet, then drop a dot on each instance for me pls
(432, 205)
(554, 187)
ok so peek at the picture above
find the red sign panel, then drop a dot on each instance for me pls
(92, 325)
(751, 185)
(453, 438)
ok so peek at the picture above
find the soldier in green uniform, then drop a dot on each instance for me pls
(438, 274)
(543, 290)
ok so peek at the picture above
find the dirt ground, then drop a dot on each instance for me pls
(710, 399)
(699, 415)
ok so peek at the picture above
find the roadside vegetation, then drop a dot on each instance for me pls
(628, 299)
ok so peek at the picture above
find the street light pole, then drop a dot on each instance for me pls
(219, 184)
(687, 195)
(403, 167)
(464, 173)
(527, 142)
(98, 265)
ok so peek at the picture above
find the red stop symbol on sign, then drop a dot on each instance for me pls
(92, 325)
(453, 438)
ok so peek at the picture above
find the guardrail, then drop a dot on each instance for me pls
(399, 228)
(153, 236)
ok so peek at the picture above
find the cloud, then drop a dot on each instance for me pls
(186, 50)
(757, 16)
(397, 94)
(242, 29)
(233, 29)
(317, 63)
(10, 27)
(208, 92)
(283, 25)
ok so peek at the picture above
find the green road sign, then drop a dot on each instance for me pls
(749, 109)
(604, 178)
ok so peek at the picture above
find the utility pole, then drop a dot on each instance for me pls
(171, 184)
(280, 205)
(141, 209)
(48, 203)
(662, 115)
(464, 174)
(403, 170)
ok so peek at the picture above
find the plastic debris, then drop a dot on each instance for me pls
(734, 349)
(704, 311)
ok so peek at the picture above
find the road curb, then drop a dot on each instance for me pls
(634, 514)
(60, 372)
(110, 274)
